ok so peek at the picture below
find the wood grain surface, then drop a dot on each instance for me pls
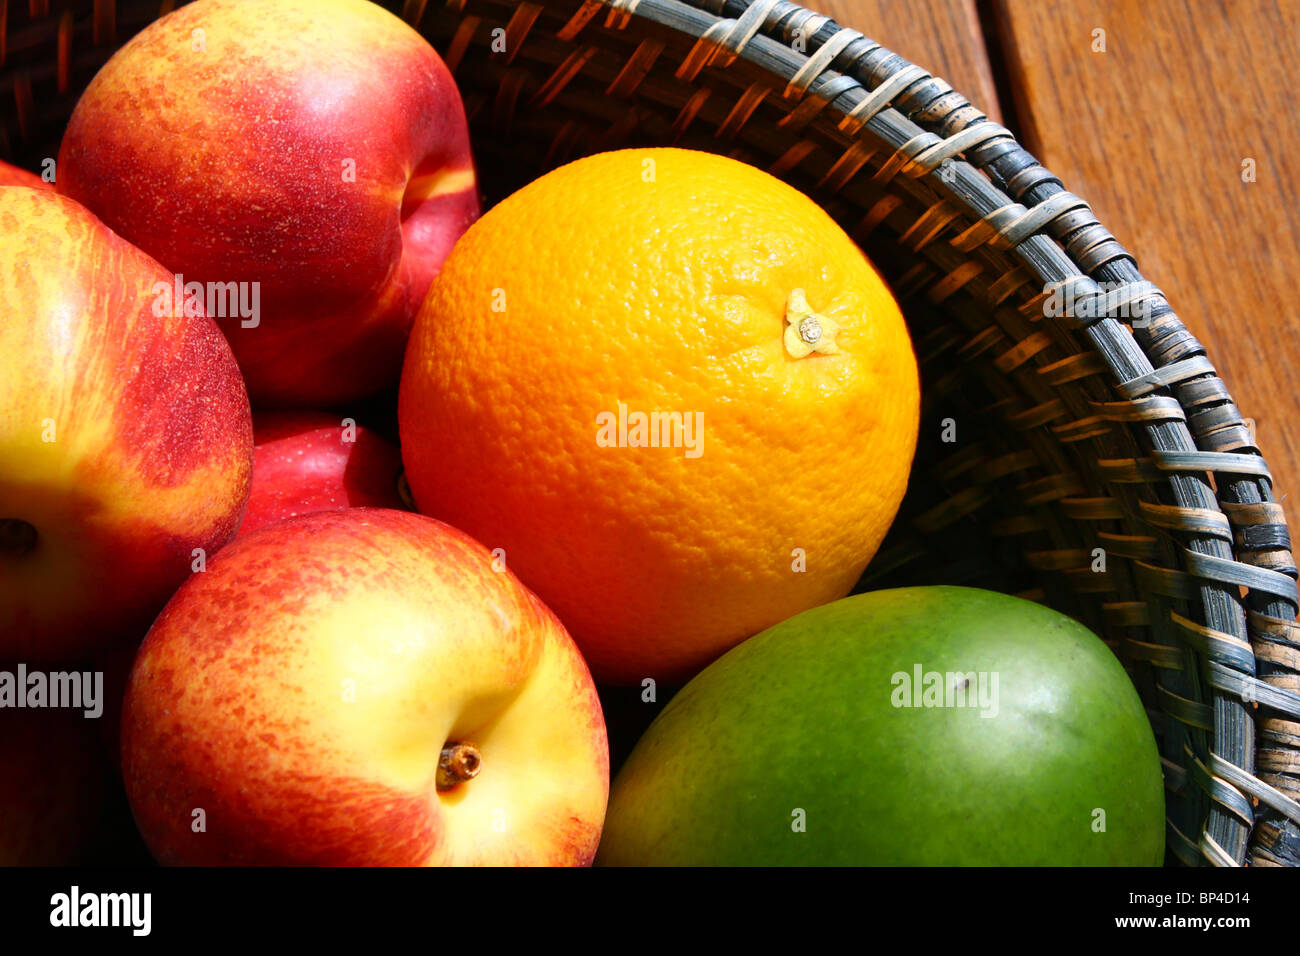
(1153, 133)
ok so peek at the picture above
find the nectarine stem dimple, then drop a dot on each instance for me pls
(459, 762)
(17, 537)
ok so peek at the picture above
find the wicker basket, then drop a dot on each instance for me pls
(1099, 465)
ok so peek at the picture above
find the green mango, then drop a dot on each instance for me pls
(938, 726)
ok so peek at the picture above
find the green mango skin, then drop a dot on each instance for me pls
(800, 717)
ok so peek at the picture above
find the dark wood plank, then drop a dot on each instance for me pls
(943, 36)
(1153, 133)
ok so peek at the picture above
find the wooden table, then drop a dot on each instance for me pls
(1174, 123)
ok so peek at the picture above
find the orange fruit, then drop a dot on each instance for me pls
(673, 392)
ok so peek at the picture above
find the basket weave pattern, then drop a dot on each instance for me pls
(1074, 433)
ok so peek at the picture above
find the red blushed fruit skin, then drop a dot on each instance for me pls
(232, 705)
(13, 176)
(302, 464)
(153, 450)
(230, 165)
